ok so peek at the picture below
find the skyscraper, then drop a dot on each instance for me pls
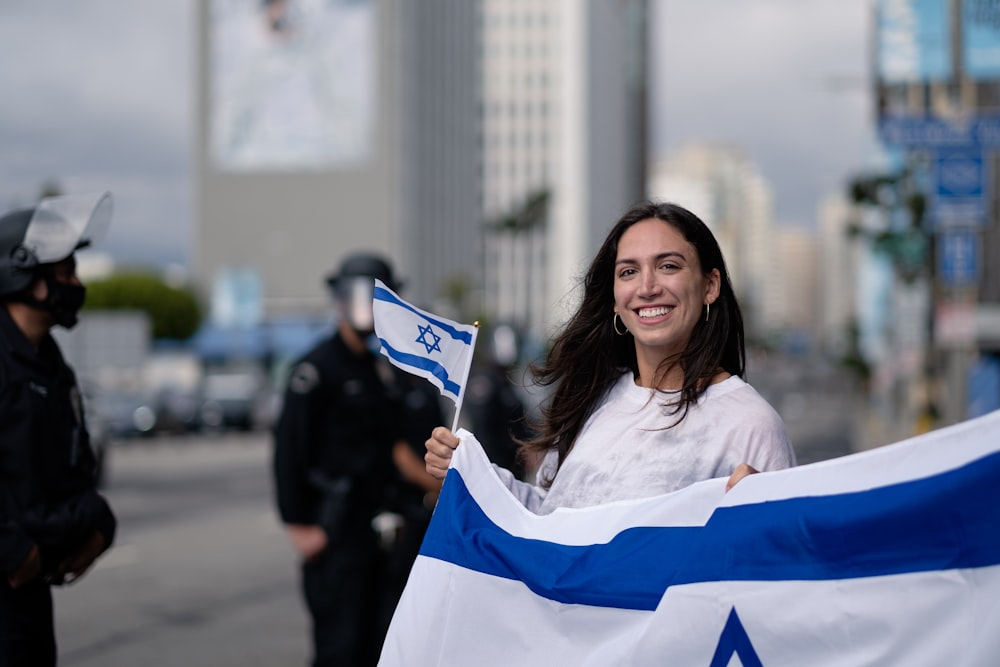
(724, 188)
(563, 144)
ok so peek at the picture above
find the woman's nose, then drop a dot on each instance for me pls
(648, 284)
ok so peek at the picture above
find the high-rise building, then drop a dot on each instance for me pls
(563, 145)
(795, 258)
(726, 190)
(838, 261)
(329, 127)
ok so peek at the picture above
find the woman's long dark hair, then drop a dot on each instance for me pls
(588, 357)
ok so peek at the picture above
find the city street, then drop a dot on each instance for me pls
(822, 406)
(201, 573)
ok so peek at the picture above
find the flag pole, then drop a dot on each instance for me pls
(465, 377)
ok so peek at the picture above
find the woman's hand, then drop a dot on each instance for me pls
(741, 471)
(440, 447)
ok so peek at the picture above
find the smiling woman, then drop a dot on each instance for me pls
(648, 390)
(660, 293)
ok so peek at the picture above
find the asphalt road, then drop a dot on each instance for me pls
(822, 405)
(201, 572)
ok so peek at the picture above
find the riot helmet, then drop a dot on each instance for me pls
(353, 287)
(33, 240)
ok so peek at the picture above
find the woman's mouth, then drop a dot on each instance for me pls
(653, 312)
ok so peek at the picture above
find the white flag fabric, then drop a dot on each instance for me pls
(424, 344)
(886, 557)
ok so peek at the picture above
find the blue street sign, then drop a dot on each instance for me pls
(984, 386)
(959, 187)
(958, 258)
(918, 132)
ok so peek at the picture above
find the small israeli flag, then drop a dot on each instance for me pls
(426, 345)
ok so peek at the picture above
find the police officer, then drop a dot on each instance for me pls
(53, 523)
(333, 467)
(415, 496)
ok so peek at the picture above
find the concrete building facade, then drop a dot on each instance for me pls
(838, 262)
(563, 145)
(328, 128)
(727, 191)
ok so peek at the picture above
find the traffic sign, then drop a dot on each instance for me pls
(958, 258)
(925, 132)
(959, 187)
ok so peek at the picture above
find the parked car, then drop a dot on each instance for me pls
(178, 411)
(173, 378)
(124, 414)
(230, 399)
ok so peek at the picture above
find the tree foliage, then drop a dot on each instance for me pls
(899, 196)
(532, 213)
(173, 312)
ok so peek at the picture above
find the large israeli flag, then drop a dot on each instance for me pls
(886, 557)
(424, 344)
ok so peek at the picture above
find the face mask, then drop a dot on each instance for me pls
(64, 302)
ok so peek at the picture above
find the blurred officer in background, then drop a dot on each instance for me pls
(334, 471)
(417, 493)
(493, 409)
(53, 523)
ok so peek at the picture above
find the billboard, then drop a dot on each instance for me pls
(981, 39)
(913, 41)
(292, 84)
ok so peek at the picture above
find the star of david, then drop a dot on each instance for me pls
(735, 641)
(428, 333)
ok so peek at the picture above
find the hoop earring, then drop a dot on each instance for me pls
(708, 307)
(614, 325)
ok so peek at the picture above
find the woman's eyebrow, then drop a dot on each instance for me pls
(661, 256)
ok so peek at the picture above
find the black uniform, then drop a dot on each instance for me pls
(48, 493)
(333, 467)
(496, 416)
(421, 414)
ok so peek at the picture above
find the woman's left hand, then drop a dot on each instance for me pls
(741, 471)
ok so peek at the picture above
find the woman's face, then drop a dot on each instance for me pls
(660, 290)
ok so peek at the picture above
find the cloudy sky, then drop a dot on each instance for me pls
(786, 80)
(97, 94)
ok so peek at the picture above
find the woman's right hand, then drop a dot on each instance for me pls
(440, 446)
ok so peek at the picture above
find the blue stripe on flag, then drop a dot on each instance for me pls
(423, 363)
(382, 294)
(946, 521)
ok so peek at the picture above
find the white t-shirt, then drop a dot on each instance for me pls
(625, 451)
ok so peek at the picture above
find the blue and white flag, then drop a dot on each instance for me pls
(886, 557)
(432, 347)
